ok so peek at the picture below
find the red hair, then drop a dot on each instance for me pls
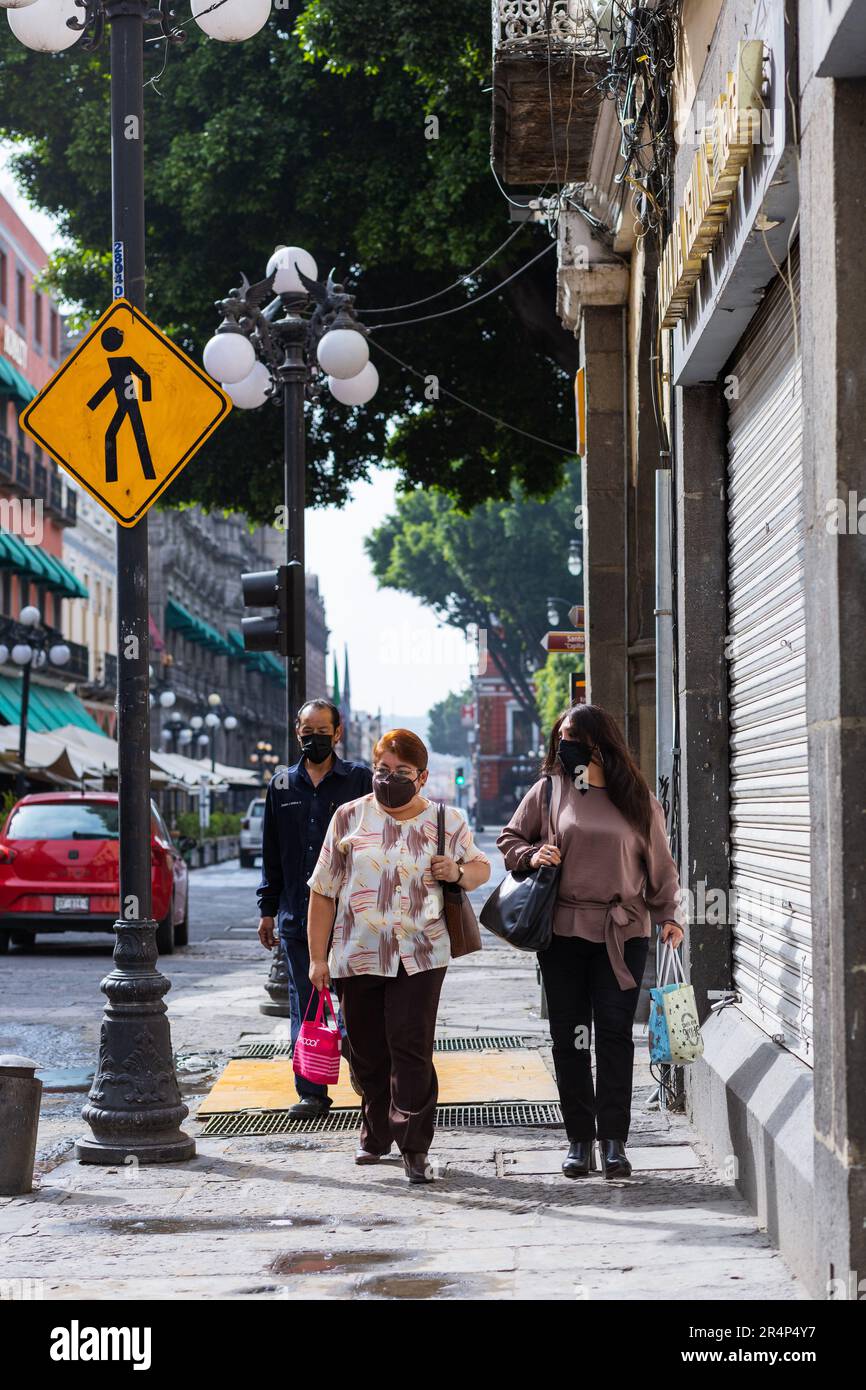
(408, 747)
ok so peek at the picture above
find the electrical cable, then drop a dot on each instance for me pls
(422, 376)
(470, 303)
(470, 274)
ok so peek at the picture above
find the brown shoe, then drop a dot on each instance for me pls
(417, 1168)
(366, 1156)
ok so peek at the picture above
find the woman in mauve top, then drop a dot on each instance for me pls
(617, 877)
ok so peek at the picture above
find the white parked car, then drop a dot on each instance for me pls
(251, 833)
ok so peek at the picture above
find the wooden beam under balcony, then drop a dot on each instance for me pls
(543, 127)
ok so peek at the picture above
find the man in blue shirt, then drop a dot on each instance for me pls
(298, 808)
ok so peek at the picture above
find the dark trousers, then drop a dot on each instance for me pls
(297, 956)
(582, 991)
(391, 1023)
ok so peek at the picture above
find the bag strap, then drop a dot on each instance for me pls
(319, 1020)
(671, 963)
(440, 828)
(553, 805)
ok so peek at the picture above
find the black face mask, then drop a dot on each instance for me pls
(392, 790)
(317, 747)
(574, 754)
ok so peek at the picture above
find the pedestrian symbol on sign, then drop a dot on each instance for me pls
(121, 381)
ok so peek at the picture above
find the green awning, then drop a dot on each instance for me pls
(179, 619)
(13, 384)
(36, 564)
(48, 709)
(264, 662)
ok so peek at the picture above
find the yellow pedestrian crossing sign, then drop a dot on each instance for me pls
(125, 412)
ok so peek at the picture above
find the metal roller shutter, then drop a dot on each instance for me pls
(770, 870)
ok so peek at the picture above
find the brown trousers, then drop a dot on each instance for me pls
(391, 1024)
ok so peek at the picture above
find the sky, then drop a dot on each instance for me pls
(400, 658)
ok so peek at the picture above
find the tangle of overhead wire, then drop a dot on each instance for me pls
(470, 274)
(470, 303)
(452, 395)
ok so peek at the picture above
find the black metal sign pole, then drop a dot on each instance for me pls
(134, 1108)
(294, 378)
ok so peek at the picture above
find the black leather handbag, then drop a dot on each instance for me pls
(520, 909)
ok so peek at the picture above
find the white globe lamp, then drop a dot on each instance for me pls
(357, 390)
(167, 699)
(22, 652)
(29, 616)
(42, 25)
(233, 20)
(283, 262)
(60, 655)
(343, 353)
(229, 356)
(253, 391)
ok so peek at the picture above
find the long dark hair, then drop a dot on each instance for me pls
(626, 784)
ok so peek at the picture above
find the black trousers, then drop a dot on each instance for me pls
(391, 1023)
(582, 992)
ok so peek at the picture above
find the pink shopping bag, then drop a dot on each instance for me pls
(317, 1051)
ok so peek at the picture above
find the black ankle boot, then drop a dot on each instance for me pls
(580, 1159)
(614, 1163)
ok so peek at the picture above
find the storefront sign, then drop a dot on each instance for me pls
(724, 146)
(15, 347)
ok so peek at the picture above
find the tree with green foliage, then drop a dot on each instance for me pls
(444, 729)
(553, 687)
(361, 131)
(494, 569)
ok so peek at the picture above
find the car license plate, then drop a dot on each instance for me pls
(71, 904)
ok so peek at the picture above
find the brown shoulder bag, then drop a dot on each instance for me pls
(464, 933)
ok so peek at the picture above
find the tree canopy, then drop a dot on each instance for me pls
(359, 130)
(495, 569)
(444, 727)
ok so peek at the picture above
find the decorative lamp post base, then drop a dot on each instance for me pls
(134, 1108)
(277, 988)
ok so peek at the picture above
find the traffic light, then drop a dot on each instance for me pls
(459, 777)
(283, 591)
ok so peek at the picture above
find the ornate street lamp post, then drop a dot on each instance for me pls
(134, 1108)
(265, 349)
(31, 646)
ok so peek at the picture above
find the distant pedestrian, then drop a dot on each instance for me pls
(617, 876)
(376, 886)
(299, 805)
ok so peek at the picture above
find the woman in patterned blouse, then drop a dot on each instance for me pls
(376, 884)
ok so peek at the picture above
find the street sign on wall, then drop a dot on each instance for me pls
(577, 688)
(125, 412)
(564, 641)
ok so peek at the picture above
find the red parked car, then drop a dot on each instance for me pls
(59, 870)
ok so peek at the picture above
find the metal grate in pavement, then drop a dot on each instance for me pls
(475, 1042)
(490, 1116)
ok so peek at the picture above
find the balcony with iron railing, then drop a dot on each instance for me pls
(547, 59)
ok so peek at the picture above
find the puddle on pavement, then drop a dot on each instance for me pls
(410, 1286)
(167, 1226)
(174, 1226)
(327, 1262)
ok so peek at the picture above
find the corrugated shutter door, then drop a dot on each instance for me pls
(770, 870)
